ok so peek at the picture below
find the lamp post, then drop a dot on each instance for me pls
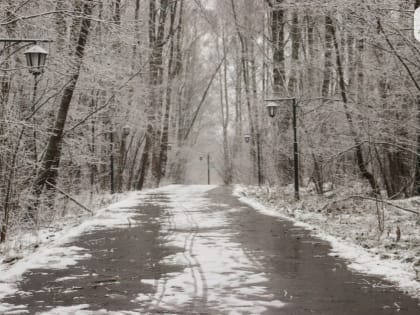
(272, 106)
(247, 137)
(111, 160)
(208, 167)
(30, 215)
(125, 133)
(36, 57)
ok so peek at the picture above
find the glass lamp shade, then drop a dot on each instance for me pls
(126, 130)
(36, 56)
(272, 109)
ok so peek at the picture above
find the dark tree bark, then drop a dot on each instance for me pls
(416, 188)
(277, 34)
(61, 25)
(295, 36)
(328, 63)
(117, 12)
(247, 86)
(359, 152)
(154, 112)
(76, 24)
(49, 170)
(174, 67)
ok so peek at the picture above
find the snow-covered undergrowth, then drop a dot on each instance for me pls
(351, 226)
(23, 239)
(44, 248)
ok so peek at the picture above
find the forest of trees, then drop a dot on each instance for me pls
(132, 85)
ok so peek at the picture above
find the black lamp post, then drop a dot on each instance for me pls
(123, 151)
(208, 167)
(247, 137)
(111, 160)
(36, 56)
(272, 106)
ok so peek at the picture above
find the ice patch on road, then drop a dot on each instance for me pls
(359, 259)
(218, 273)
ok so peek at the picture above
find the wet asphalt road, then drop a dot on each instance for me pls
(292, 268)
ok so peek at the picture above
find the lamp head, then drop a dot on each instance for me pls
(126, 130)
(36, 57)
(272, 108)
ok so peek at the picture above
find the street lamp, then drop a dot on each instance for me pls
(36, 56)
(247, 137)
(111, 159)
(125, 133)
(272, 106)
(208, 167)
(126, 130)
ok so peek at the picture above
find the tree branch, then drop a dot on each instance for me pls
(203, 98)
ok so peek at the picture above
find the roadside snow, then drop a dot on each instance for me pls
(352, 236)
(51, 253)
(76, 310)
(81, 310)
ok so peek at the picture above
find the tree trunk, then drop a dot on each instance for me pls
(277, 35)
(416, 188)
(173, 72)
(154, 111)
(61, 25)
(48, 172)
(156, 81)
(359, 153)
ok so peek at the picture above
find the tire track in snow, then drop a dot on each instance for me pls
(195, 266)
(160, 284)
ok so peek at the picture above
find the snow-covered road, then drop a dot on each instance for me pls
(219, 273)
(193, 250)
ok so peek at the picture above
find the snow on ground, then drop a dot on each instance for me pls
(82, 310)
(352, 230)
(50, 252)
(218, 272)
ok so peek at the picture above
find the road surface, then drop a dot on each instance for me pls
(191, 250)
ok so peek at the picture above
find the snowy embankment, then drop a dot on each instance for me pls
(351, 227)
(45, 248)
